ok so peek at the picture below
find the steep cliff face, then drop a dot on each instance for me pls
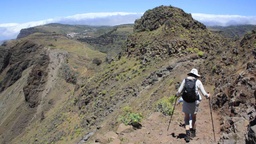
(26, 32)
(4, 58)
(18, 58)
(36, 81)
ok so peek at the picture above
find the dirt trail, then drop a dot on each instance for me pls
(154, 129)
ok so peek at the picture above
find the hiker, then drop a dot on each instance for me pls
(191, 99)
(197, 106)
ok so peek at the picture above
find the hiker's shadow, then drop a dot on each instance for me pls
(180, 136)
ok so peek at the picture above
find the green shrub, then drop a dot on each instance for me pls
(129, 117)
(191, 50)
(165, 105)
(196, 50)
(200, 53)
(103, 92)
(214, 68)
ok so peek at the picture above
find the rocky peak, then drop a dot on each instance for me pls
(165, 15)
(166, 31)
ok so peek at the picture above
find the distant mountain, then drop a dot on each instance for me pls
(111, 41)
(234, 32)
(107, 39)
(73, 31)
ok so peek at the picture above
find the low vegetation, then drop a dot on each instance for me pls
(165, 105)
(129, 117)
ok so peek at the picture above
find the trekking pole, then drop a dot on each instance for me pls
(212, 119)
(172, 113)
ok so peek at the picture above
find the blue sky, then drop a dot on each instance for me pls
(18, 14)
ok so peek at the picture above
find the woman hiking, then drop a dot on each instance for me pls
(189, 90)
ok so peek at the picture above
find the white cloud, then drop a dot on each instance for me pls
(224, 20)
(11, 30)
(98, 15)
(107, 18)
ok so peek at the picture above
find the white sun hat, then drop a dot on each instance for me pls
(194, 72)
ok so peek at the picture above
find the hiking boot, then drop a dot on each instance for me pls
(187, 137)
(193, 132)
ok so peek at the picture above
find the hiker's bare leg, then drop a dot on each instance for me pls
(187, 127)
(193, 130)
(194, 121)
(186, 119)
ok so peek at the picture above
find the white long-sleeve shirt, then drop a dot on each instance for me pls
(199, 87)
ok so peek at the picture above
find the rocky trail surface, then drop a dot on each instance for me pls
(154, 129)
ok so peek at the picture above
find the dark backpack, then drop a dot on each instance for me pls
(189, 93)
